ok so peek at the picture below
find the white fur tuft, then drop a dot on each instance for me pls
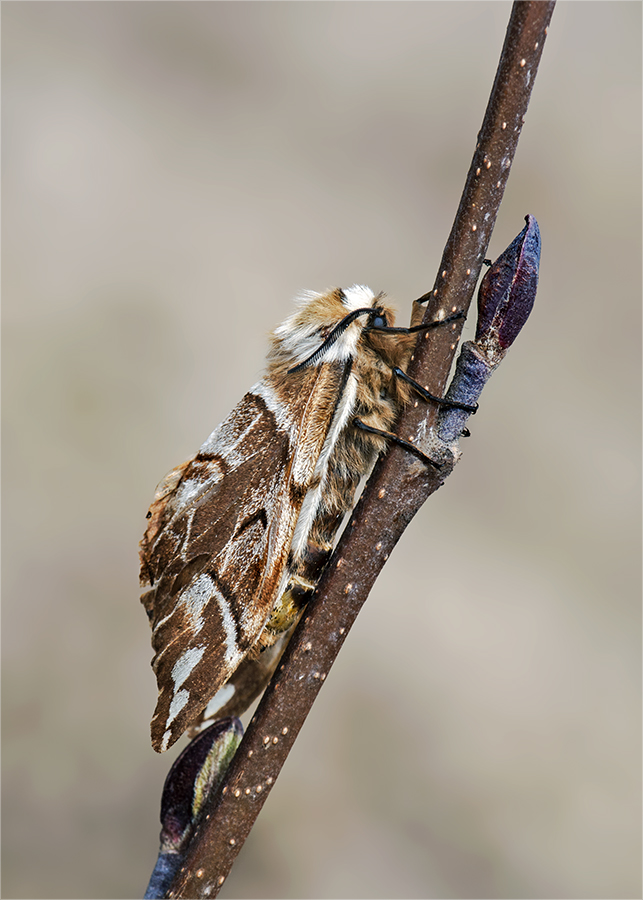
(301, 335)
(358, 296)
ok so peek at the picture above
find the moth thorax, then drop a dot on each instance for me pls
(317, 319)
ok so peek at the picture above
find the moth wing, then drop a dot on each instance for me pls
(244, 685)
(218, 539)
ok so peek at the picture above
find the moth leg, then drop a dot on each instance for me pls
(413, 329)
(451, 404)
(397, 440)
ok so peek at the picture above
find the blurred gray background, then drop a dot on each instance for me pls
(173, 174)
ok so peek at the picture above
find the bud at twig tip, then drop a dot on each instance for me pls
(193, 776)
(507, 293)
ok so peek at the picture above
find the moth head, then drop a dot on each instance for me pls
(327, 327)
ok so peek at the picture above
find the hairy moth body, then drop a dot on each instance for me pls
(237, 536)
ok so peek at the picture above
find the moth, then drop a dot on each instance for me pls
(238, 535)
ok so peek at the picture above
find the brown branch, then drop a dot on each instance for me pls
(396, 490)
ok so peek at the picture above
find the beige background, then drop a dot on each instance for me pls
(173, 174)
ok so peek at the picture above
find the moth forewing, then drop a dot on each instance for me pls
(208, 562)
(238, 535)
(217, 562)
(245, 684)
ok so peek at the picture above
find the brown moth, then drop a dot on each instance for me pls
(238, 535)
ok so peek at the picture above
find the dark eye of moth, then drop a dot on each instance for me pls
(378, 320)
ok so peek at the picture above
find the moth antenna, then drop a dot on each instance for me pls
(336, 333)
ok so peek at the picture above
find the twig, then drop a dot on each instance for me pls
(396, 490)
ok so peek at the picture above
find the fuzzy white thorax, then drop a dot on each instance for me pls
(301, 337)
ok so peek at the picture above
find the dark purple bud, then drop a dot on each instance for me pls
(507, 292)
(193, 776)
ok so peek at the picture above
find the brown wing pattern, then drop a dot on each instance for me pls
(218, 538)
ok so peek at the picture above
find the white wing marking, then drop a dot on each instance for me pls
(178, 702)
(184, 665)
(193, 600)
(219, 700)
(232, 654)
(280, 410)
(225, 440)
